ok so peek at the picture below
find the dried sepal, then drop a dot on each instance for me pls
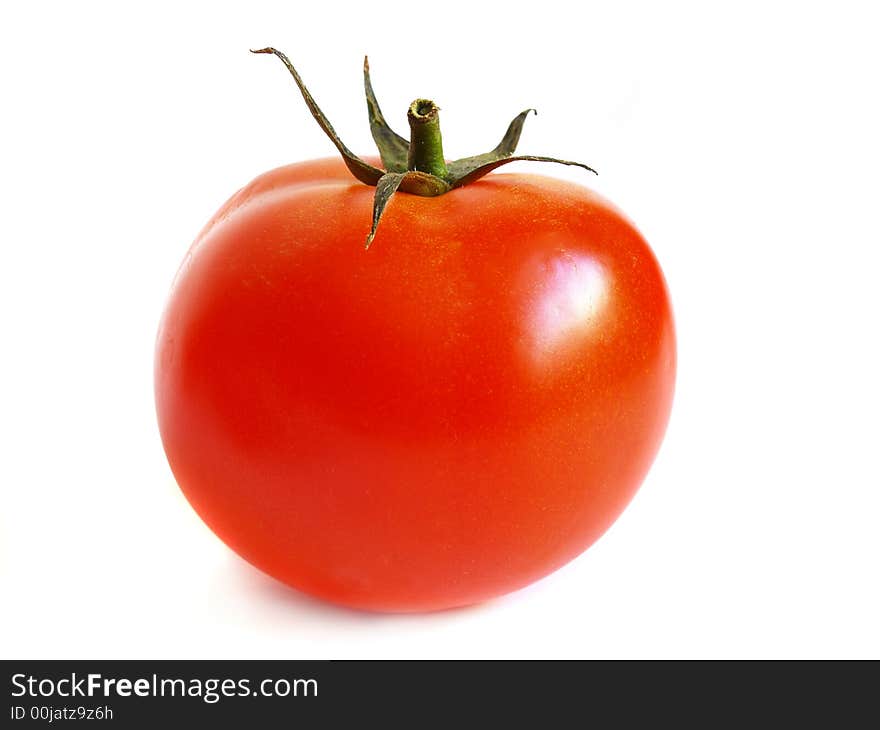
(393, 149)
(364, 172)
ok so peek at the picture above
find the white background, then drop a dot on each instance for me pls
(743, 142)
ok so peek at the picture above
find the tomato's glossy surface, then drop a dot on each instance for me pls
(445, 417)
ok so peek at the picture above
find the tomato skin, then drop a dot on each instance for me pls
(443, 418)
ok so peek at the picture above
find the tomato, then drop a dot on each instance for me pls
(440, 419)
(443, 418)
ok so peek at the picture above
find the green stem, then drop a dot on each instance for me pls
(425, 144)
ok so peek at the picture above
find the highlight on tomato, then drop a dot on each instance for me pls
(442, 416)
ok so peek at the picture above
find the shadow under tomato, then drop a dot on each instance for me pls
(268, 595)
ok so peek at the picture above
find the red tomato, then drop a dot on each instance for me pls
(443, 418)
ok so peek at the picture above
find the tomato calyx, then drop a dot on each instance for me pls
(416, 165)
